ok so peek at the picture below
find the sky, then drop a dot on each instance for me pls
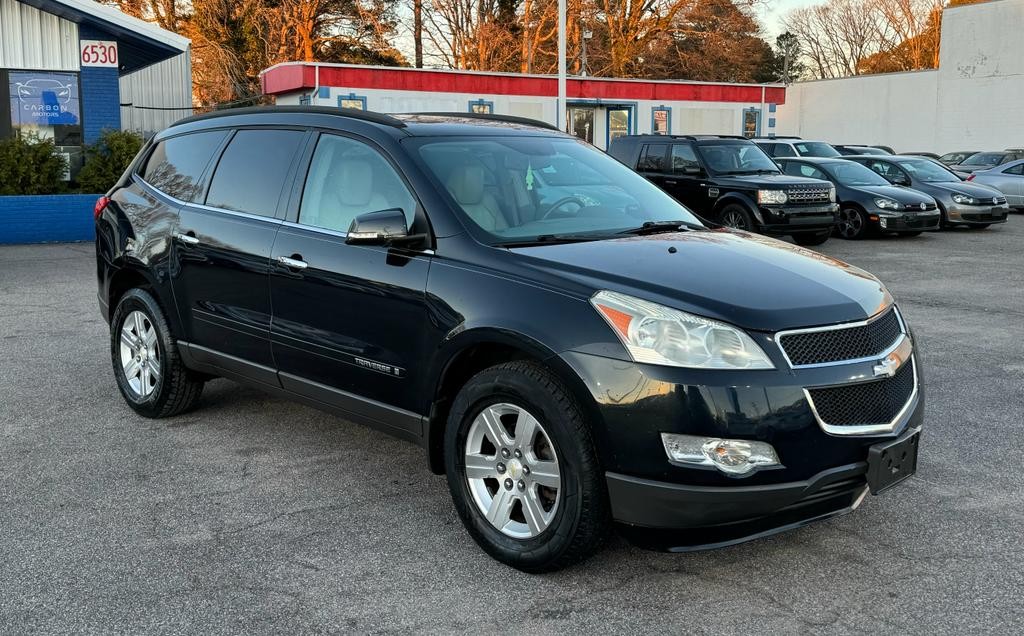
(772, 12)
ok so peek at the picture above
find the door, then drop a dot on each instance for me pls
(620, 122)
(581, 123)
(349, 320)
(222, 288)
(751, 122)
(688, 182)
(1011, 182)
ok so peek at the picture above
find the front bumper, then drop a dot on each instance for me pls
(797, 219)
(976, 215)
(907, 221)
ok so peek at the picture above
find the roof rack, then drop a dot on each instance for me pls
(352, 113)
(511, 119)
(780, 137)
(702, 137)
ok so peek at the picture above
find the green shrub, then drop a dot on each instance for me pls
(107, 159)
(30, 165)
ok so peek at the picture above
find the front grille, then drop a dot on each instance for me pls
(866, 403)
(987, 216)
(836, 345)
(916, 207)
(801, 196)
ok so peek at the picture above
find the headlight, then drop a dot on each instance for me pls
(771, 196)
(964, 199)
(832, 195)
(731, 456)
(654, 334)
(888, 204)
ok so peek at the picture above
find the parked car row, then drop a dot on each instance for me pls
(811, 190)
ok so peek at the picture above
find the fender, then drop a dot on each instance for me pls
(743, 199)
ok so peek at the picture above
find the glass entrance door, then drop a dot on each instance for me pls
(581, 122)
(618, 122)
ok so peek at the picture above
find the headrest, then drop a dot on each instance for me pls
(466, 183)
(355, 181)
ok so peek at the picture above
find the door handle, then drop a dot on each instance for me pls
(671, 181)
(293, 262)
(188, 239)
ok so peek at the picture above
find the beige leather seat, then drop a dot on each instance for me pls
(466, 184)
(350, 191)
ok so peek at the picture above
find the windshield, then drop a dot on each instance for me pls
(853, 174)
(517, 189)
(815, 149)
(984, 159)
(928, 171)
(736, 158)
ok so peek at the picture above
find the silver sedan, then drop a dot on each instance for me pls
(1007, 178)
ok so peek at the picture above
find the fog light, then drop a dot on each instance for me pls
(883, 222)
(731, 456)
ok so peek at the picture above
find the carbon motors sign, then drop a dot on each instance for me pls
(98, 53)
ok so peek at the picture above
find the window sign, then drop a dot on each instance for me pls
(481, 107)
(660, 120)
(358, 102)
(97, 53)
(43, 99)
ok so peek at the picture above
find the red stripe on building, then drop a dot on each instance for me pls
(290, 78)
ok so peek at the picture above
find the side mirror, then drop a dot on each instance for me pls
(900, 180)
(378, 228)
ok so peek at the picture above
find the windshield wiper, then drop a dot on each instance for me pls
(654, 227)
(552, 238)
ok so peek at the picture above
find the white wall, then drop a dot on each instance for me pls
(974, 100)
(159, 95)
(36, 40)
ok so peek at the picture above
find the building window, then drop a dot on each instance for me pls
(661, 120)
(46, 104)
(481, 107)
(352, 101)
(304, 100)
(751, 122)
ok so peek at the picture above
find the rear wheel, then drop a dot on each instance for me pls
(811, 238)
(853, 224)
(522, 469)
(147, 367)
(736, 217)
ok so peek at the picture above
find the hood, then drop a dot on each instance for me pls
(903, 195)
(969, 188)
(767, 181)
(748, 280)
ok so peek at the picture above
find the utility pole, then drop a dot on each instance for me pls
(586, 35)
(785, 65)
(560, 119)
(417, 31)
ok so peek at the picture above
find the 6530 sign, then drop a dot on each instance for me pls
(98, 53)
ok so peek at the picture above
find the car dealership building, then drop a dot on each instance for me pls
(72, 68)
(599, 109)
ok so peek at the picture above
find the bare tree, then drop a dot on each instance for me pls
(838, 35)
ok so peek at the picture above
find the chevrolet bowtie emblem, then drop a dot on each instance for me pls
(886, 368)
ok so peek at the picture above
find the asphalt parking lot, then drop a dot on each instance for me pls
(252, 514)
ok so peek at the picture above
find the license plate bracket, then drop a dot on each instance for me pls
(889, 463)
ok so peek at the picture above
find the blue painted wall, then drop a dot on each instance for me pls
(101, 93)
(47, 218)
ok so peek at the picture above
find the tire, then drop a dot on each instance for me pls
(809, 239)
(853, 224)
(979, 227)
(737, 217)
(161, 389)
(571, 521)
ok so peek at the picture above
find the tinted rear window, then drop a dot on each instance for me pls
(252, 170)
(652, 158)
(177, 164)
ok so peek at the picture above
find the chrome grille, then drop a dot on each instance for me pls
(876, 403)
(841, 343)
(808, 195)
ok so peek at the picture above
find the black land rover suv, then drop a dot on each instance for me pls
(729, 180)
(567, 343)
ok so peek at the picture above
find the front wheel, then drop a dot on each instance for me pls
(809, 239)
(736, 217)
(853, 224)
(522, 469)
(147, 366)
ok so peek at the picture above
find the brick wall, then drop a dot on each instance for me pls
(47, 218)
(101, 93)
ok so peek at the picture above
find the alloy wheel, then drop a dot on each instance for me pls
(851, 223)
(140, 354)
(734, 219)
(512, 470)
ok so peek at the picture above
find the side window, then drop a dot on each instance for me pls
(684, 158)
(784, 150)
(793, 168)
(1017, 169)
(769, 149)
(652, 158)
(251, 172)
(812, 172)
(176, 164)
(884, 169)
(348, 178)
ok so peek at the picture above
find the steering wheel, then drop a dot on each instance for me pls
(559, 203)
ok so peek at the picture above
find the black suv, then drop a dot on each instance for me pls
(566, 342)
(729, 180)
